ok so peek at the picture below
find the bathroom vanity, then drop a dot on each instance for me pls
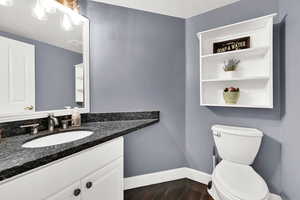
(88, 175)
(86, 168)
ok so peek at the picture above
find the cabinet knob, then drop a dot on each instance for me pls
(89, 185)
(77, 192)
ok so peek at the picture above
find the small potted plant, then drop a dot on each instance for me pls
(231, 95)
(230, 66)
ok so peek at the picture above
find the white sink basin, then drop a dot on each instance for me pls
(59, 138)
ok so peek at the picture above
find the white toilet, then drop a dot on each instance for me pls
(234, 178)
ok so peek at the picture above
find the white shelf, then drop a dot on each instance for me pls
(238, 79)
(252, 52)
(237, 105)
(254, 74)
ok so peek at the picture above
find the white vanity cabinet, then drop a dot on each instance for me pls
(96, 173)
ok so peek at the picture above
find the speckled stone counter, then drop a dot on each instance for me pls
(14, 159)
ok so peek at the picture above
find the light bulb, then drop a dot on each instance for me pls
(66, 23)
(6, 2)
(39, 11)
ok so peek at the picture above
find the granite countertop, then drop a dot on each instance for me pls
(14, 159)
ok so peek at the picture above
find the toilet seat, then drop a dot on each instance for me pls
(239, 182)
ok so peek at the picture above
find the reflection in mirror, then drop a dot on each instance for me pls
(41, 57)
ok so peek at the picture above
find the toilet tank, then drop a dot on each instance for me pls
(237, 144)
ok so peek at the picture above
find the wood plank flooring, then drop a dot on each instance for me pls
(183, 189)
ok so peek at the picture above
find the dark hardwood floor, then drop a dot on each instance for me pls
(183, 189)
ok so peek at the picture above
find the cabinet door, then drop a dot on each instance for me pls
(106, 183)
(72, 192)
(17, 76)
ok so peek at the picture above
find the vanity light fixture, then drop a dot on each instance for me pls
(39, 11)
(6, 2)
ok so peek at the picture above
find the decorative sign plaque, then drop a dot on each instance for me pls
(232, 45)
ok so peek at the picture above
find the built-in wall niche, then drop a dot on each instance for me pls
(253, 75)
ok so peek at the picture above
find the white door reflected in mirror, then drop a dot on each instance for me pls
(17, 76)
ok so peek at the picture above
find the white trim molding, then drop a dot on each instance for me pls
(197, 176)
(165, 176)
(275, 197)
(172, 175)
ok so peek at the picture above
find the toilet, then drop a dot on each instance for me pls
(234, 178)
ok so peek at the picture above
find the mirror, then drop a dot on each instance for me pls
(44, 58)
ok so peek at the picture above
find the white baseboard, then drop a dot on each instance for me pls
(275, 197)
(172, 175)
(197, 176)
(165, 176)
(154, 178)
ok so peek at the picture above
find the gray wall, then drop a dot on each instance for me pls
(199, 140)
(290, 32)
(54, 75)
(138, 63)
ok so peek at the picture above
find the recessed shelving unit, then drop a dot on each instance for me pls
(254, 74)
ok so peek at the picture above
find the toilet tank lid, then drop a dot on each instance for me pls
(234, 130)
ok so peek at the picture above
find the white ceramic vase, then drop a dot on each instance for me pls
(230, 74)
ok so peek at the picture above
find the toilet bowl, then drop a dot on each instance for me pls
(234, 178)
(238, 182)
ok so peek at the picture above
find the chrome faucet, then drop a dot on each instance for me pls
(34, 128)
(52, 122)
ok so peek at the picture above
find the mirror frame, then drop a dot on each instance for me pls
(86, 61)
